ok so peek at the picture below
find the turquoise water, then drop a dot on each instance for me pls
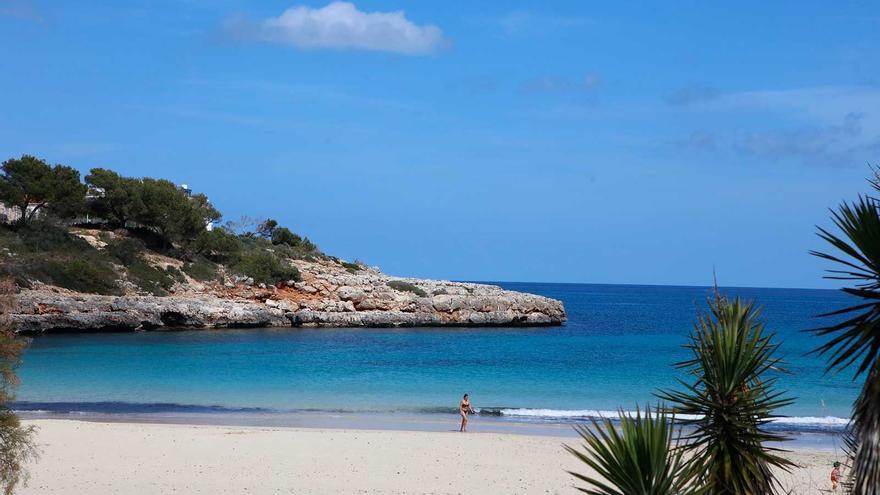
(616, 350)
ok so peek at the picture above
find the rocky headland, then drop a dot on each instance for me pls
(328, 295)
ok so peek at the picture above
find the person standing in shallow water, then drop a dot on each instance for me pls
(464, 407)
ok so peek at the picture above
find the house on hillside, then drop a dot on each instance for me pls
(12, 214)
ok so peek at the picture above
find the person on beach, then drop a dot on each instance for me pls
(464, 407)
(835, 476)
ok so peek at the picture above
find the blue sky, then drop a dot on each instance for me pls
(563, 141)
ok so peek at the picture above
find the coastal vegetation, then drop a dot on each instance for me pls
(402, 286)
(31, 186)
(724, 408)
(640, 456)
(17, 442)
(110, 234)
(731, 397)
(855, 339)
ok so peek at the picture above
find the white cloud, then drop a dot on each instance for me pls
(341, 26)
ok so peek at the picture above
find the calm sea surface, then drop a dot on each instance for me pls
(618, 348)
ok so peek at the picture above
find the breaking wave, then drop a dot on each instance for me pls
(826, 424)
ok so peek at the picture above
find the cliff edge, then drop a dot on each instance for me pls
(328, 295)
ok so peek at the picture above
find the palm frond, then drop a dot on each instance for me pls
(641, 458)
(855, 341)
(730, 400)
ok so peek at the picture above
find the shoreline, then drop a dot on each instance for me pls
(141, 458)
(825, 441)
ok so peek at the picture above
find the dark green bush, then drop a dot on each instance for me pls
(283, 235)
(40, 236)
(265, 267)
(402, 286)
(201, 269)
(175, 273)
(81, 275)
(126, 250)
(46, 252)
(351, 267)
(217, 245)
(149, 278)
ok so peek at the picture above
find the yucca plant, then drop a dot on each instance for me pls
(856, 339)
(641, 458)
(729, 400)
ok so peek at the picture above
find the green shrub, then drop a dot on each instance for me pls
(290, 245)
(201, 269)
(283, 235)
(40, 236)
(127, 250)
(217, 245)
(265, 267)
(46, 252)
(149, 278)
(81, 275)
(402, 286)
(351, 267)
(175, 273)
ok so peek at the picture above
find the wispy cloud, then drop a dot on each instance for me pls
(21, 9)
(475, 85)
(823, 125)
(523, 22)
(837, 142)
(310, 92)
(820, 104)
(691, 94)
(557, 84)
(208, 115)
(341, 26)
(699, 140)
(80, 149)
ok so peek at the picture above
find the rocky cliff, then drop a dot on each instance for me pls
(328, 295)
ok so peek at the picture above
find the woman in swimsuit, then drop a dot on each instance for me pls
(464, 407)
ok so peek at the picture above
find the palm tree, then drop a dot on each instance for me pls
(640, 459)
(730, 400)
(856, 339)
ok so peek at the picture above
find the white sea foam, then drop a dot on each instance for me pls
(812, 420)
(598, 414)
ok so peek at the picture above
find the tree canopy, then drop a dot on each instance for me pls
(156, 204)
(173, 214)
(31, 186)
(154, 212)
(121, 197)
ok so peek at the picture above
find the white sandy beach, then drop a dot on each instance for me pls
(135, 458)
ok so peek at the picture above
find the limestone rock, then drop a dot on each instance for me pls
(327, 296)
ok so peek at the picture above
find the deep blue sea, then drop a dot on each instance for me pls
(617, 349)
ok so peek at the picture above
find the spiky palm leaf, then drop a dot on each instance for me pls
(639, 459)
(730, 400)
(856, 339)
